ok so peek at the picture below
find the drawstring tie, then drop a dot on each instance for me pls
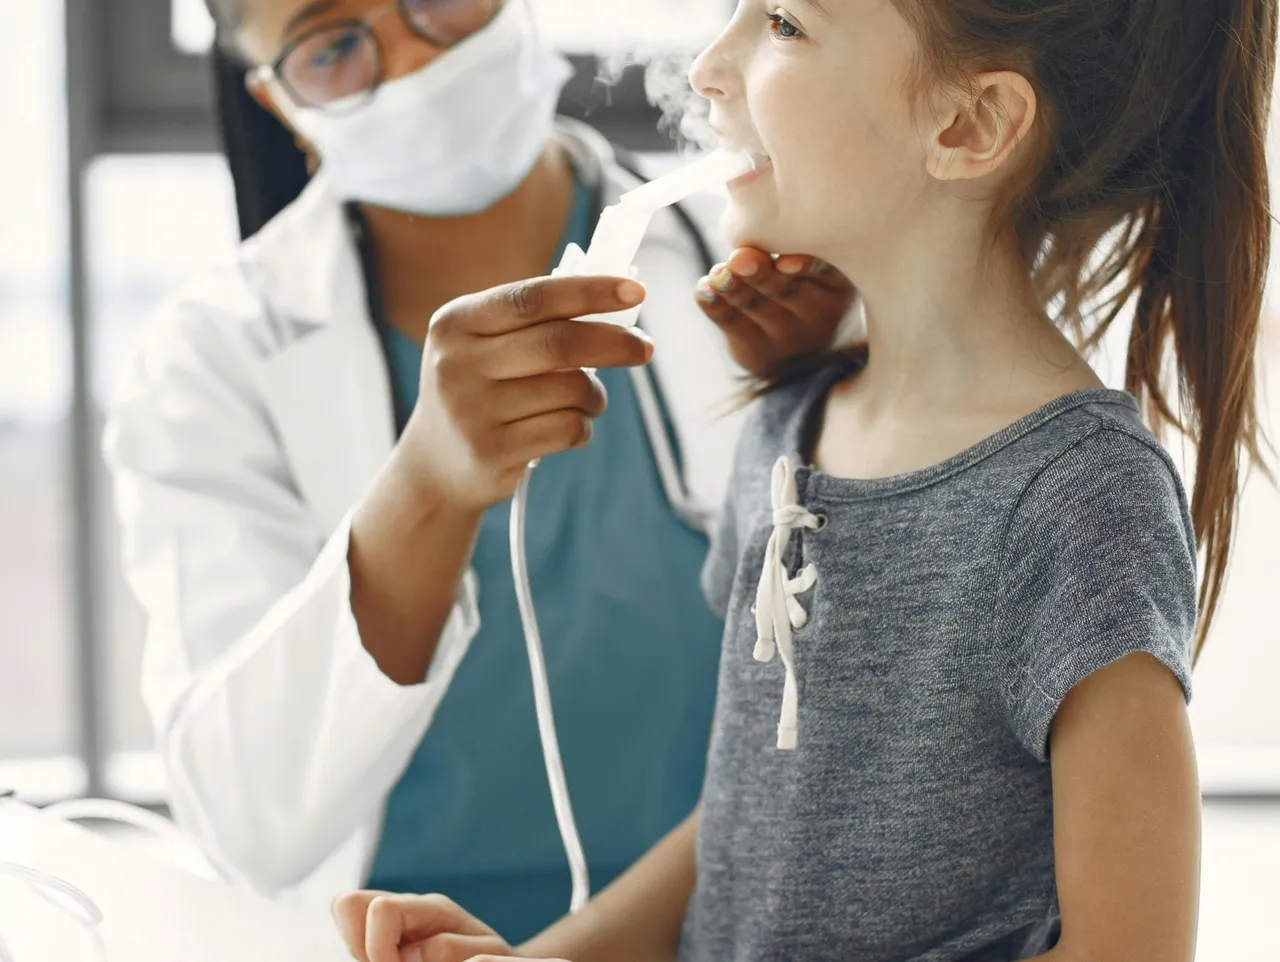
(778, 612)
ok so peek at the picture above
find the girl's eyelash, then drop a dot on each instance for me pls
(782, 28)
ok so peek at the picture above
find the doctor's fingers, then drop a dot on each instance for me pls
(511, 401)
(558, 346)
(509, 449)
(501, 310)
(776, 301)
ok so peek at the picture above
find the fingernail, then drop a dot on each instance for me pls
(747, 266)
(411, 954)
(790, 265)
(631, 293)
(705, 294)
(722, 280)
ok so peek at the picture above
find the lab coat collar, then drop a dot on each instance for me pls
(305, 261)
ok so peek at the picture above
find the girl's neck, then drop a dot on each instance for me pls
(958, 349)
(948, 327)
(423, 262)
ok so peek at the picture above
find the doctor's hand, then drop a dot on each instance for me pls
(503, 382)
(773, 312)
(381, 927)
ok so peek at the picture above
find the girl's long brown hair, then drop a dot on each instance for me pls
(1148, 187)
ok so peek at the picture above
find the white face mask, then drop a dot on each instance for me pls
(453, 138)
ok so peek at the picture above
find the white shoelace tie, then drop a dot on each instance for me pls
(778, 613)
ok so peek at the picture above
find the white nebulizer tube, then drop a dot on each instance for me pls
(612, 250)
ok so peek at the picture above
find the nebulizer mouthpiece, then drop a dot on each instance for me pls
(611, 252)
(622, 226)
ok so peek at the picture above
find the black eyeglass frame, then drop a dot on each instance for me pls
(274, 69)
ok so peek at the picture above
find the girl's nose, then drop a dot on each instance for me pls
(712, 74)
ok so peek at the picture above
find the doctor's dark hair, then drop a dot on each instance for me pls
(1146, 185)
(268, 169)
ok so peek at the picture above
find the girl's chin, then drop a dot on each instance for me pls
(741, 229)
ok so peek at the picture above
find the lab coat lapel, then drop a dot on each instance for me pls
(326, 384)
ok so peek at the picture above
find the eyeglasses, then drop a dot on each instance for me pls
(336, 66)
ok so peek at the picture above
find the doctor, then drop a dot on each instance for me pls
(313, 455)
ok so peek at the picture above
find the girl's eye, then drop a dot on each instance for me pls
(783, 28)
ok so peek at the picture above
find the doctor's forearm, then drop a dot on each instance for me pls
(408, 552)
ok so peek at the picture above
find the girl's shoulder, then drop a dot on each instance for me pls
(1097, 560)
(1097, 453)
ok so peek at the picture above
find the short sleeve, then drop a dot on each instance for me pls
(1099, 562)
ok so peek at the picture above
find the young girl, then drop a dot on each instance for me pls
(959, 575)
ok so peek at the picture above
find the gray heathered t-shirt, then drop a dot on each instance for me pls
(953, 610)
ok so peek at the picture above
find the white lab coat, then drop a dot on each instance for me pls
(255, 416)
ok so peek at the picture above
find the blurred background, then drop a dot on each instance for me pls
(113, 195)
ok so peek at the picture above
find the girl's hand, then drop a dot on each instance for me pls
(381, 927)
(775, 311)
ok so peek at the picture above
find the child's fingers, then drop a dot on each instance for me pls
(394, 921)
(454, 948)
(350, 912)
(384, 930)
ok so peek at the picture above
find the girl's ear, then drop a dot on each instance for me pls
(976, 133)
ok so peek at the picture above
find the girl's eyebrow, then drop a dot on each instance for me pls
(818, 8)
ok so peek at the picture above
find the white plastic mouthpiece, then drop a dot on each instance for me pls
(718, 167)
(622, 226)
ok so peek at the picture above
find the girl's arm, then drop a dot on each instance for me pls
(1126, 804)
(636, 919)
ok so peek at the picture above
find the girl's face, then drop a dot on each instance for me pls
(331, 49)
(823, 87)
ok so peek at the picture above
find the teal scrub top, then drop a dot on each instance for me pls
(632, 651)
